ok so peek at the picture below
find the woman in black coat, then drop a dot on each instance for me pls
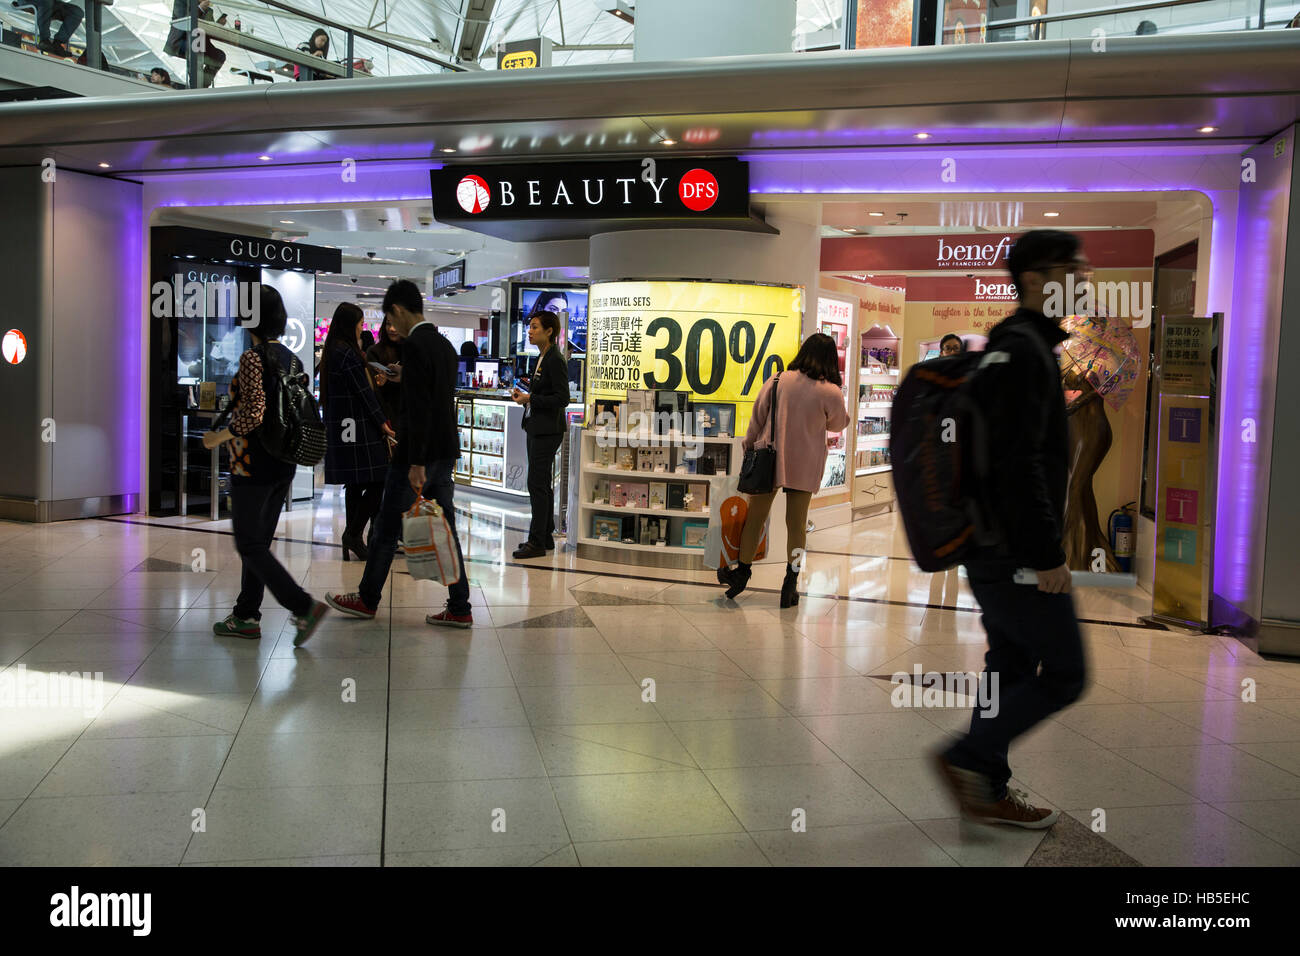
(356, 450)
(544, 405)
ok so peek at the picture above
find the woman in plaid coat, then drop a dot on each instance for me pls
(356, 453)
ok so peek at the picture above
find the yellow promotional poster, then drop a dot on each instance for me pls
(717, 341)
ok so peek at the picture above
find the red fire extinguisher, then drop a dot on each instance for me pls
(1121, 536)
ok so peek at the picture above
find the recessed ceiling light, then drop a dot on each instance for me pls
(922, 135)
(449, 149)
(849, 229)
(265, 159)
(286, 222)
(668, 142)
(1208, 129)
(1051, 215)
(875, 214)
(104, 166)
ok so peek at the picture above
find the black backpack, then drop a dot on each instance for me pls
(291, 428)
(940, 453)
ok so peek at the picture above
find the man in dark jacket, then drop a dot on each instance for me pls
(1035, 663)
(423, 459)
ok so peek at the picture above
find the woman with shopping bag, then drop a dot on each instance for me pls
(786, 449)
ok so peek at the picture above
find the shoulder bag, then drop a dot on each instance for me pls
(758, 472)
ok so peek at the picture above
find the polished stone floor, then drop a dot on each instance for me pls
(771, 738)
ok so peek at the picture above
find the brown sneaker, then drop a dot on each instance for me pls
(1014, 809)
(969, 790)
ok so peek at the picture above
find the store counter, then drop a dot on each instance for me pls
(494, 452)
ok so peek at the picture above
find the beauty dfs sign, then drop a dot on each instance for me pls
(506, 200)
(719, 341)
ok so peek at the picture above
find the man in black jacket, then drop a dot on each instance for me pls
(423, 459)
(1035, 662)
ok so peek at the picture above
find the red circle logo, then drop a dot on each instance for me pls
(472, 194)
(698, 190)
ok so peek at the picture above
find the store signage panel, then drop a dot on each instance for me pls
(719, 341)
(524, 54)
(672, 189)
(1111, 248)
(448, 279)
(220, 246)
(1185, 354)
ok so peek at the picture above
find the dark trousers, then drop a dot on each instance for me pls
(254, 513)
(361, 503)
(47, 10)
(541, 460)
(1036, 651)
(398, 498)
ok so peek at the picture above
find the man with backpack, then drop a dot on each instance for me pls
(427, 447)
(1035, 660)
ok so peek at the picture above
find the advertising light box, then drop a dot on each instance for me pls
(717, 341)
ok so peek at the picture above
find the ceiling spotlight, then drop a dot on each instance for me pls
(667, 142)
(849, 229)
(875, 214)
(265, 159)
(622, 11)
(449, 149)
(922, 135)
(1051, 215)
(286, 222)
(1208, 129)
(104, 166)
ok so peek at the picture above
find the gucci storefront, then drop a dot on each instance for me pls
(202, 286)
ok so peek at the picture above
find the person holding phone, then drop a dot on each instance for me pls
(544, 403)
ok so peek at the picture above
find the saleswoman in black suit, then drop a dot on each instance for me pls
(544, 405)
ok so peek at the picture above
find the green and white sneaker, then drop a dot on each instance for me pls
(308, 622)
(231, 626)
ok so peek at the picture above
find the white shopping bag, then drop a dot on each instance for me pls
(428, 545)
(727, 511)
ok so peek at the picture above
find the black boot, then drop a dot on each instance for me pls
(789, 587)
(352, 542)
(736, 578)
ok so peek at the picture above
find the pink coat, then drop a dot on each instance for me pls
(805, 411)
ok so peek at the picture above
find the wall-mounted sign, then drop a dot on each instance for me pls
(524, 54)
(574, 200)
(14, 347)
(252, 250)
(719, 341)
(1109, 248)
(448, 280)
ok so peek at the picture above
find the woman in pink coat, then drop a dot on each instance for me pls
(810, 404)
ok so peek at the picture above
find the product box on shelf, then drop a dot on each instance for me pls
(714, 419)
(696, 497)
(650, 530)
(658, 494)
(676, 492)
(607, 527)
(693, 533)
(653, 459)
(600, 491)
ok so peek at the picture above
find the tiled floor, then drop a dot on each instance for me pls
(595, 715)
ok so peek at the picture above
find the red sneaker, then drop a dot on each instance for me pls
(447, 619)
(350, 604)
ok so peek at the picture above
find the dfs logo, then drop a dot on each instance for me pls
(472, 194)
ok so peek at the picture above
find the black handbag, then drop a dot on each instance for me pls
(758, 471)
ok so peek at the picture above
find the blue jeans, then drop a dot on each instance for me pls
(387, 526)
(47, 10)
(1035, 650)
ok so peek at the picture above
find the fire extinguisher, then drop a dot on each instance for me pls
(1121, 536)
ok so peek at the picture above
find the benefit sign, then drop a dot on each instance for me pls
(717, 341)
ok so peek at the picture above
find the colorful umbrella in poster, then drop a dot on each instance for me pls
(1105, 352)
